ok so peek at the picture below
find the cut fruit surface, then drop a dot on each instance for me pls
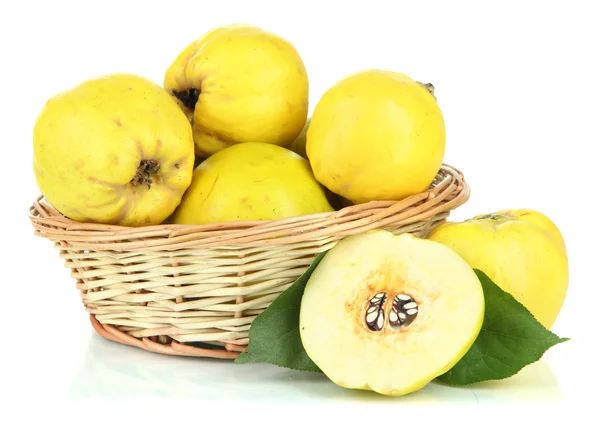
(390, 313)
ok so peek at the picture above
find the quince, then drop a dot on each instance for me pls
(114, 150)
(390, 313)
(251, 181)
(240, 83)
(521, 250)
(376, 135)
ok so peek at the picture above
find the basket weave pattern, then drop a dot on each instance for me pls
(194, 290)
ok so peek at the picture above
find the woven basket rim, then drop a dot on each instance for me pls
(448, 191)
(144, 286)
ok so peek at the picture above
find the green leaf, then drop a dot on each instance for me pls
(510, 339)
(274, 334)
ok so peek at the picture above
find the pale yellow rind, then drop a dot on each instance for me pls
(524, 253)
(88, 144)
(251, 181)
(451, 309)
(539, 219)
(253, 84)
(376, 135)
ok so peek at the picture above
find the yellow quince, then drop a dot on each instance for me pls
(115, 150)
(376, 135)
(251, 181)
(240, 83)
(521, 250)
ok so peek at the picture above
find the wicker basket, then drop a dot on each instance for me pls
(195, 290)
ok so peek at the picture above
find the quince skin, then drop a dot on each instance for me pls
(113, 150)
(521, 250)
(376, 135)
(240, 83)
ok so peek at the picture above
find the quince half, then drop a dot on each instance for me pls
(390, 313)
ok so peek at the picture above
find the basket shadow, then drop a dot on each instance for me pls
(114, 371)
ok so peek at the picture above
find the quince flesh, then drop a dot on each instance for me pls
(390, 313)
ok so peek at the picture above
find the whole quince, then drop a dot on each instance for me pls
(240, 83)
(251, 181)
(376, 135)
(115, 150)
(521, 250)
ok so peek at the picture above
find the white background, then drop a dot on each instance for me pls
(518, 83)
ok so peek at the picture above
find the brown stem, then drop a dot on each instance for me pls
(429, 87)
(493, 216)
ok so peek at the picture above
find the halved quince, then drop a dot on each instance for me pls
(390, 313)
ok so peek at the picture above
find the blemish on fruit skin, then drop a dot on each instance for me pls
(103, 182)
(118, 122)
(79, 164)
(159, 145)
(114, 159)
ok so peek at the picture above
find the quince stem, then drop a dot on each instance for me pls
(429, 87)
